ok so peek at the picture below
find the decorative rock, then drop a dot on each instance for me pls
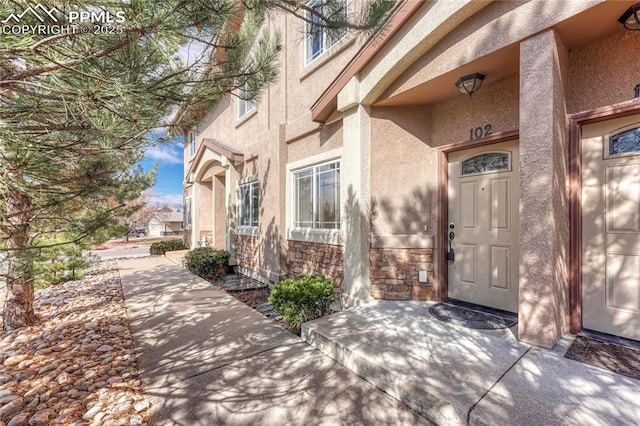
(115, 329)
(46, 372)
(5, 392)
(33, 404)
(19, 420)
(48, 367)
(113, 380)
(42, 418)
(92, 411)
(15, 360)
(12, 408)
(65, 378)
(4, 399)
(141, 405)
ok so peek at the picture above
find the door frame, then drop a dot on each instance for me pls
(575, 199)
(442, 276)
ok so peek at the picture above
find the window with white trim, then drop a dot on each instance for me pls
(192, 143)
(319, 39)
(249, 204)
(245, 106)
(316, 196)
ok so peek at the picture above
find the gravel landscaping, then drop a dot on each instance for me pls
(78, 365)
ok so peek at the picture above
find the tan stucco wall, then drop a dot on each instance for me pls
(495, 104)
(282, 114)
(604, 72)
(327, 139)
(544, 214)
(219, 211)
(204, 207)
(403, 172)
(496, 26)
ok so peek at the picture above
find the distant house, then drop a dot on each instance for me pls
(166, 223)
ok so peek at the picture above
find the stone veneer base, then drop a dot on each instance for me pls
(394, 273)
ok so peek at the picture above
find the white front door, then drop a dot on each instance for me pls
(611, 227)
(483, 208)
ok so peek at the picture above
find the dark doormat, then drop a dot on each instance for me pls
(472, 316)
(610, 356)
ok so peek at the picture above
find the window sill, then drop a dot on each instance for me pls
(321, 236)
(325, 57)
(247, 231)
(246, 117)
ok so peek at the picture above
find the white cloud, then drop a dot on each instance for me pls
(167, 154)
(171, 200)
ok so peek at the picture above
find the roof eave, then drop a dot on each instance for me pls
(327, 103)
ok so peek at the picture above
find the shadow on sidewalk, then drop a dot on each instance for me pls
(210, 359)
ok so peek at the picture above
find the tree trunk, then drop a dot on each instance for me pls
(18, 307)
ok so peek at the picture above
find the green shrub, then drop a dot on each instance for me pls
(301, 299)
(57, 261)
(162, 247)
(208, 262)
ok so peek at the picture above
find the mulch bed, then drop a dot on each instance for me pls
(252, 293)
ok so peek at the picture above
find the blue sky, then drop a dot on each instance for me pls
(168, 187)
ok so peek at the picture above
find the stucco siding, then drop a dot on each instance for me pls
(495, 104)
(603, 73)
(328, 138)
(403, 172)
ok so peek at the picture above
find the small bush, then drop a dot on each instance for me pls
(208, 262)
(162, 247)
(301, 299)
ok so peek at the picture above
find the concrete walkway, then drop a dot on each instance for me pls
(209, 359)
(455, 375)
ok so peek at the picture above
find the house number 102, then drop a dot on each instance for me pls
(480, 132)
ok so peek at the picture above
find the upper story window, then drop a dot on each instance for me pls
(318, 39)
(192, 143)
(249, 204)
(316, 196)
(244, 106)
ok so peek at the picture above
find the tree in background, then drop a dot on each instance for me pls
(138, 214)
(76, 110)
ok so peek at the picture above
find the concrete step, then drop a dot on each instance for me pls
(409, 390)
(440, 370)
(177, 257)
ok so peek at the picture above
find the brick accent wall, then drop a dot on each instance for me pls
(208, 234)
(314, 258)
(394, 273)
(246, 252)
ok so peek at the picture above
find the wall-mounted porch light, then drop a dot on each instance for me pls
(468, 84)
(631, 18)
